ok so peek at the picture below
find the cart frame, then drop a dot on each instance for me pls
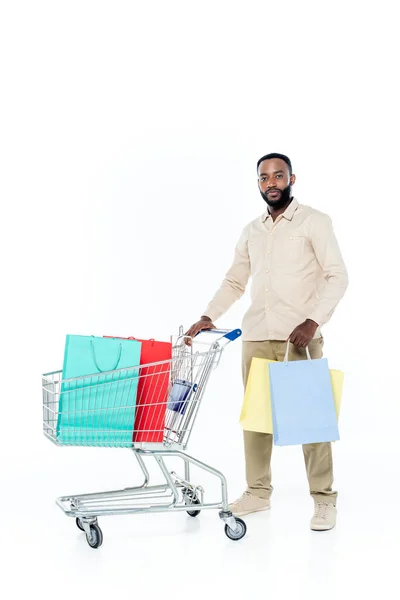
(177, 494)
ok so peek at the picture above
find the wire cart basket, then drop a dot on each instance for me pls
(72, 417)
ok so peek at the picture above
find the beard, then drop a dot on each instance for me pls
(280, 202)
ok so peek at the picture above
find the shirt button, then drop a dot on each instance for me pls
(267, 308)
(267, 270)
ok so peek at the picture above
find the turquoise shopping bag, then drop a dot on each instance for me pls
(98, 408)
(303, 406)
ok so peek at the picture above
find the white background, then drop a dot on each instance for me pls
(130, 133)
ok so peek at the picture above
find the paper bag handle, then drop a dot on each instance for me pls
(95, 360)
(286, 359)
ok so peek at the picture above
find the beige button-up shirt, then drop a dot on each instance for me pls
(297, 273)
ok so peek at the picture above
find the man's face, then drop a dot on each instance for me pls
(274, 182)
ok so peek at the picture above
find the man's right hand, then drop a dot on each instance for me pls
(204, 323)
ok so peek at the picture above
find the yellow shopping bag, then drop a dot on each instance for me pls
(256, 412)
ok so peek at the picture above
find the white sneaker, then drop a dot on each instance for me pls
(248, 503)
(324, 517)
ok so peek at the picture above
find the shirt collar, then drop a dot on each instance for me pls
(288, 214)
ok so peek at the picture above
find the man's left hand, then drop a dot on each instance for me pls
(303, 334)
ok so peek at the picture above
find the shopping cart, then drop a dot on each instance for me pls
(188, 374)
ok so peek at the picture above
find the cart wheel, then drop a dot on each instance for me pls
(79, 524)
(193, 513)
(96, 537)
(240, 531)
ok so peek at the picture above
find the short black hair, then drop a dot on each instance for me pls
(276, 155)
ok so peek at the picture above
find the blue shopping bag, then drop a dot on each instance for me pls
(98, 408)
(303, 406)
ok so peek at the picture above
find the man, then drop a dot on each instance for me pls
(298, 278)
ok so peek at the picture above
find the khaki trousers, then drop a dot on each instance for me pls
(258, 446)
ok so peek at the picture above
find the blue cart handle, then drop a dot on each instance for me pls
(229, 334)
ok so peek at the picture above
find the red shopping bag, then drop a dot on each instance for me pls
(152, 394)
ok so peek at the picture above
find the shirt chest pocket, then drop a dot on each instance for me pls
(289, 250)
